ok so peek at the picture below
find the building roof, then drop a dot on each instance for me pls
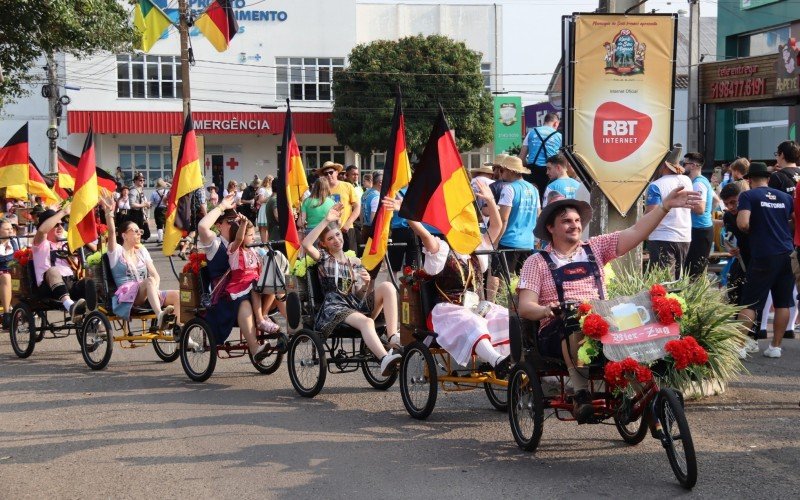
(708, 42)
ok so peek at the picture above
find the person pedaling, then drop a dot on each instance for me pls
(570, 269)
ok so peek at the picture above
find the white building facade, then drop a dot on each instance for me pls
(238, 96)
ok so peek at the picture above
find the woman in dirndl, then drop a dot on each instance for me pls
(465, 323)
(349, 298)
(134, 274)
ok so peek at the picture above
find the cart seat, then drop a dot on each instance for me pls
(38, 293)
(111, 289)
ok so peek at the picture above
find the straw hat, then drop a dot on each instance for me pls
(497, 160)
(485, 169)
(514, 164)
(329, 164)
(583, 208)
(672, 161)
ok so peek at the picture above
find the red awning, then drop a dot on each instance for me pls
(171, 122)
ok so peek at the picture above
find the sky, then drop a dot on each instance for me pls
(532, 36)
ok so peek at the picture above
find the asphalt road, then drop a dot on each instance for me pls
(141, 429)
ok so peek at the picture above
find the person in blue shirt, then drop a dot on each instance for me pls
(560, 182)
(766, 215)
(369, 205)
(702, 223)
(519, 208)
(540, 144)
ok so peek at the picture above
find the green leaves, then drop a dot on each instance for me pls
(429, 71)
(30, 29)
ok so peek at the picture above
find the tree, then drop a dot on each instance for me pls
(33, 28)
(429, 71)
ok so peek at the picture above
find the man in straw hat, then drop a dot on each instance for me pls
(343, 192)
(571, 269)
(519, 207)
(669, 242)
(765, 214)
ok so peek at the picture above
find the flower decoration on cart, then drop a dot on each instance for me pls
(23, 256)
(412, 276)
(197, 260)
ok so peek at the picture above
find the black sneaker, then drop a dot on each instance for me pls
(77, 310)
(762, 334)
(502, 368)
(582, 410)
(789, 334)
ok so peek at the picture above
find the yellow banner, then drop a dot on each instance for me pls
(622, 97)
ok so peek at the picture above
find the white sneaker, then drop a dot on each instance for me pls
(193, 344)
(772, 352)
(389, 363)
(743, 353)
(751, 345)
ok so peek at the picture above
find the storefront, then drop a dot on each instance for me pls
(750, 104)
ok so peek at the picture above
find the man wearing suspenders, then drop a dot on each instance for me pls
(540, 144)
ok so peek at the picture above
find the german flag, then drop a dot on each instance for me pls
(14, 159)
(39, 185)
(67, 171)
(150, 22)
(218, 24)
(396, 174)
(82, 226)
(106, 181)
(292, 185)
(188, 178)
(439, 193)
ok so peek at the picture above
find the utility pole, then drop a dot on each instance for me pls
(607, 220)
(183, 30)
(693, 109)
(52, 103)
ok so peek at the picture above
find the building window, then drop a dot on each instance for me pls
(314, 156)
(476, 157)
(486, 71)
(306, 78)
(758, 130)
(141, 76)
(152, 161)
(762, 43)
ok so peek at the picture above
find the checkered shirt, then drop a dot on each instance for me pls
(536, 276)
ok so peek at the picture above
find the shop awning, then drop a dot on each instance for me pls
(205, 122)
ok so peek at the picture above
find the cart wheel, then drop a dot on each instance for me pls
(167, 350)
(525, 406)
(632, 431)
(498, 396)
(97, 340)
(308, 367)
(23, 330)
(271, 363)
(294, 310)
(372, 370)
(418, 379)
(198, 350)
(677, 439)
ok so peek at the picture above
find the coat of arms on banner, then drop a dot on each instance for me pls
(508, 113)
(625, 54)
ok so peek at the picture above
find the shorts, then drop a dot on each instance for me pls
(769, 274)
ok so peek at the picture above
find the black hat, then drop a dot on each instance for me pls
(583, 208)
(44, 216)
(673, 159)
(757, 169)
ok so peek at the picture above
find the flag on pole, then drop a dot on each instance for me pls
(396, 174)
(106, 181)
(218, 24)
(38, 184)
(440, 194)
(82, 227)
(14, 159)
(188, 178)
(67, 170)
(292, 184)
(150, 22)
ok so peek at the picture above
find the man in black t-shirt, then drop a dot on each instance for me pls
(786, 174)
(736, 243)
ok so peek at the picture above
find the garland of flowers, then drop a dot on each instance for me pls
(686, 352)
(197, 260)
(23, 256)
(412, 277)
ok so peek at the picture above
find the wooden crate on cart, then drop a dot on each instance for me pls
(20, 283)
(411, 316)
(190, 295)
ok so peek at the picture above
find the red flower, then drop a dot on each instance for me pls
(685, 352)
(595, 326)
(23, 256)
(102, 229)
(584, 309)
(658, 291)
(408, 271)
(620, 373)
(667, 309)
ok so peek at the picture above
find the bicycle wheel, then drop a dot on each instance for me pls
(166, 350)
(525, 406)
(308, 367)
(198, 350)
(677, 438)
(632, 431)
(418, 379)
(271, 363)
(23, 330)
(498, 396)
(372, 370)
(97, 340)
(40, 319)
